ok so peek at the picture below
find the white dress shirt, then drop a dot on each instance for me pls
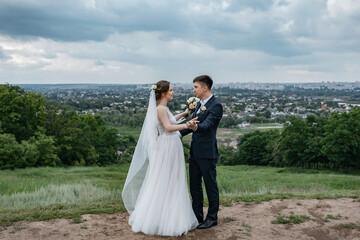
(203, 102)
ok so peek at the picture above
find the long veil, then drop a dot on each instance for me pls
(140, 161)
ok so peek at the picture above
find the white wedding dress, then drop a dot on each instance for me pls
(163, 206)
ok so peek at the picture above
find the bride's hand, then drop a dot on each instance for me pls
(192, 123)
(186, 112)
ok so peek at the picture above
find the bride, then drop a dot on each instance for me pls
(155, 192)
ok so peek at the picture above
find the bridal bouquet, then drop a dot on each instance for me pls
(191, 104)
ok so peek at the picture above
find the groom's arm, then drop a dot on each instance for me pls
(214, 116)
(185, 132)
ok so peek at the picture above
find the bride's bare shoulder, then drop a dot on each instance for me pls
(160, 108)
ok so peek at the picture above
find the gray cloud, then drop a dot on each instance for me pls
(99, 63)
(180, 34)
(78, 23)
(3, 56)
(250, 24)
(23, 21)
(253, 4)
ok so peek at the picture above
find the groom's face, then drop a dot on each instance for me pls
(198, 90)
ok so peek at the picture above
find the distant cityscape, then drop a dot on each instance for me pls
(282, 86)
(232, 85)
(269, 100)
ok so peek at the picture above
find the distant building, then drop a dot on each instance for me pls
(304, 116)
(244, 124)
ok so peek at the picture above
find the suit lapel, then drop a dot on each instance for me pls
(196, 109)
(210, 101)
(206, 105)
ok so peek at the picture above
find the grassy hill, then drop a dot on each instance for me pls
(46, 193)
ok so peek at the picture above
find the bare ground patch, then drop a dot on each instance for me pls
(328, 219)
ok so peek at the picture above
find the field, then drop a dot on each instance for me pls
(224, 135)
(47, 193)
(129, 131)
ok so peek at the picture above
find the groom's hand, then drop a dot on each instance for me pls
(192, 123)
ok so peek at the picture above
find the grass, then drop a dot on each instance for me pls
(84, 227)
(292, 219)
(245, 225)
(337, 217)
(266, 124)
(19, 227)
(135, 132)
(229, 219)
(254, 183)
(347, 225)
(47, 193)
(77, 220)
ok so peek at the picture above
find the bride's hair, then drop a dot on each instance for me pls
(162, 86)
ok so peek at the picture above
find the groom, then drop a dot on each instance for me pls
(204, 152)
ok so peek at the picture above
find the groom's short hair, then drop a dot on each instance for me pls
(204, 79)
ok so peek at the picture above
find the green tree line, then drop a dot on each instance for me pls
(317, 142)
(34, 132)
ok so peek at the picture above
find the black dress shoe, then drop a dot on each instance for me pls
(207, 224)
(200, 220)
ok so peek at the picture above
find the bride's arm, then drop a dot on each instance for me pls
(183, 114)
(164, 119)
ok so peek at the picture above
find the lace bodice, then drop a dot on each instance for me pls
(160, 126)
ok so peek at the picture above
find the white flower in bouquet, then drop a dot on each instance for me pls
(191, 104)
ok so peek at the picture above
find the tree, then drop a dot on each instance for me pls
(107, 146)
(293, 142)
(21, 113)
(30, 152)
(228, 122)
(40, 151)
(32, 135)
(227, 156)
(47, 150)
(11, 152)
(313, 154)
(254, 147)
(341, 143)
(267, 114)
(83, 139)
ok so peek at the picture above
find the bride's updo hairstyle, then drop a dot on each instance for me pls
(162, 86)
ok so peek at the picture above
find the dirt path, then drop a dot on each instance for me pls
(240, 221)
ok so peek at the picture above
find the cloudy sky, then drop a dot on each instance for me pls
(143, 41)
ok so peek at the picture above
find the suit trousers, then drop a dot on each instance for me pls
(204, 168)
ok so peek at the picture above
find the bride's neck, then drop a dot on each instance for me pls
(162, 101)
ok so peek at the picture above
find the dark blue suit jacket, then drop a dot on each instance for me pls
(203, 142)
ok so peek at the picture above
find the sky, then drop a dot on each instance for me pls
(143, 41)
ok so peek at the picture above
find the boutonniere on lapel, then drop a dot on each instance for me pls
(202, 109)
